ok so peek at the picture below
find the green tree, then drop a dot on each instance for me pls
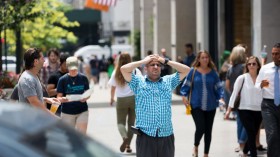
(137, 45)
(35, 23)
(47, 29)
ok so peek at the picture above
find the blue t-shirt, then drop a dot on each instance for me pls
(73, 85)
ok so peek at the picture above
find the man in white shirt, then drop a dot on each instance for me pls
(268, 81)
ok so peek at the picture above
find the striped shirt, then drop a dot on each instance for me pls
(153, 103)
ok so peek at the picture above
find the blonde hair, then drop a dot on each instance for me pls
(124, 58)
(238, 55)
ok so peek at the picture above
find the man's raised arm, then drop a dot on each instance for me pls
(182, 69)
(128, 68)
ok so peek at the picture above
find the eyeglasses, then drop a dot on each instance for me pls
(152, 65)
(251, 64)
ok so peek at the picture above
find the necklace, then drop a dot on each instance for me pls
(73, 81)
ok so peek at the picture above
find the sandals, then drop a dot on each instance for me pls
(128, 149)
(194, 155)
(195, 152)
(261, 148)
(123, 146)
(237, 149)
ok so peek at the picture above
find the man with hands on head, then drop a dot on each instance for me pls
(153, 104)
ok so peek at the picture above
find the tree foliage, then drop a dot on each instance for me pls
(137, 45)
(42, 23)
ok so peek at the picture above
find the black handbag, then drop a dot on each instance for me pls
(237, 100)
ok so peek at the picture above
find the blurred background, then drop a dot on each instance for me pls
(136, 26)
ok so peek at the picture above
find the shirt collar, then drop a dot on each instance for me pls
(275, 66)
(147, 79)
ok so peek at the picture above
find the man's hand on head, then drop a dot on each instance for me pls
(149, 58)
(159, 58)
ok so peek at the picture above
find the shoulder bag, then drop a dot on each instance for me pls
(189, 108)
(237, 100)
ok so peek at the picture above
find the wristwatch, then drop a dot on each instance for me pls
(166, 60)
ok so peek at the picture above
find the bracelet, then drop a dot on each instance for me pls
(166, 60)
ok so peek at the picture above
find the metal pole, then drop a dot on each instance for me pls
(173, 30)
(155, 28)
(5, 38)
(142, 29)
(5, 50)
(1, 28)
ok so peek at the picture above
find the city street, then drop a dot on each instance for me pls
(103, 127)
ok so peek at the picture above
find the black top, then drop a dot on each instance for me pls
(73, 85)
(55, 77)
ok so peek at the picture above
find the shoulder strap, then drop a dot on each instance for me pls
(242, 85)
(190, 95)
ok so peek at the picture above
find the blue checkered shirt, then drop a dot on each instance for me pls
(153, 103)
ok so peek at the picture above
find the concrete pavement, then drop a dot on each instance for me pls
(103, 127)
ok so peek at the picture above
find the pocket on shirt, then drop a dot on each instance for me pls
(146, 92)
(166, 92)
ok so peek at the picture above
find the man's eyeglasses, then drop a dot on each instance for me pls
(152, 65)
(251, 64)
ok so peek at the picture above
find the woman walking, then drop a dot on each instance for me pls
(74, 113)
(206, 91)
(250, 103)
(237, 59)
(125, 102)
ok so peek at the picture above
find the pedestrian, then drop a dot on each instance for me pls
(81, 65)
(189, 59)
(153, 104)
(103, 72)
(268, 82)
(237, 59)
(225, 62)
(250, 103)
(14, 95)
(207, 91)
(111, 66)
(125, 102)
(74, 113)
(94, 64)
(165, 69)
(51, 66)
(53, 80)
(29, 86)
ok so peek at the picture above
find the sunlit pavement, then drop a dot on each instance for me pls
(103, 127)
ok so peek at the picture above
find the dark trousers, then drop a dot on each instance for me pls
(251, 121)
(203, 122)
(271, 120)
(147, 146)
